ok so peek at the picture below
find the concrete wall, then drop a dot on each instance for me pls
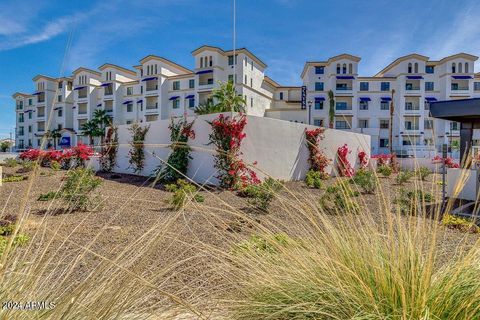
(277, 146)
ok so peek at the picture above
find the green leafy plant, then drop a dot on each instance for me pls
(225, 99)
(265, 244)
(47, 196)
(182, 193)
(5, 145)
(261, 195)
(366, 180)
(78, 187)
(412, 201)
(314, 179)
(462, 224)
(403, 177)
(339, 199)
(7, 224)
(14, 178)
(331, 109)
(108, 155)
(385, 170)
(136, 153)
(10, 162)
(55, 165)
(423, 173)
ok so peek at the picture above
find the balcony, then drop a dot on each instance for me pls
(152, 107)
(343, 106)
(460, 87)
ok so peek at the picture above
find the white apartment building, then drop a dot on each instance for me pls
(158, 88)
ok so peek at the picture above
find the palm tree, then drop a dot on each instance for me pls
(91, 130)
(390, 134)
(102, 120)
(331, 111)
(227, 99)
(55, 135)
(207, 107)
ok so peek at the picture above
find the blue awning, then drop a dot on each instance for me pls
(151, 78)
(461, 77)
(105, 84)
(204, 71)
(414, 77)
(78, 88)
(345, 77)
(430, 99)
(127, 102)
(319, 98)
(37, 93)
(140, 101)
(99, 105)
(191, 96)
(386, 99)
(174, 98)
(365, 99)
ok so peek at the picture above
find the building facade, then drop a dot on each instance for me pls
(158, 88)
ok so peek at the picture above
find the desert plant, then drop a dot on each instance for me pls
(261, 195)
(136, 153)
(423, 173)
(366, 180)
(182, 193)
(403, 177)
(55, 165)
(78, 187)
(47, 196)
(108, 154)
(314, 179)
(412, 201)
(385, 170)
(339, 199)
(459, 223)
(265, 244)
(14, 178)
(10, 162)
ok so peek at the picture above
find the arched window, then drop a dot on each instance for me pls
(409, 68)
(466, 67)
(453, 67)
(211, 61)
(350, 68)
(416, 67)
(338, 68)
(460, 67)
(344, 68)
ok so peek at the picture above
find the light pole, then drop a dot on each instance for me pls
(309, 111)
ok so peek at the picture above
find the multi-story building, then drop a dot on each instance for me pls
(158, 88)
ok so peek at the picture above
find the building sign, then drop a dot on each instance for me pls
(64, 142)
(304, 97)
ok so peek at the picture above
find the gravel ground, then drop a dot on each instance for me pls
(131, 209)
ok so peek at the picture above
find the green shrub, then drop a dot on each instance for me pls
(423, 173)
(47, 196)
(314, 179)
(14, 178)
(27, 166)
(385, 170)
(412, 202)
(10, 162)
(261, 195)
(20, 240)
(339, 199)
(366, 180)
(462, 224)
(269, 244)
(55, 165)
(403, 176)
(77, 188)
(182, 193)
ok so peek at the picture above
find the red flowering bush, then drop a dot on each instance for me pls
(227, 135)
(382, 159)
(363, 159)
(449, 162)
(317, 159)
(75, 155)
(344, 167)
(31, 154)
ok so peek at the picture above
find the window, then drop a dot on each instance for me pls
(21, 117)
(201, 62)
(30, 102)
(60, 112)
(59, 98)
(363, 105)
(281, 95)
(59, 127)
(363, 123)
(363, 86)
(60, 85)
(176, 85)
(129, 122)
(30, 129)
(245, 82)
(476, 86)
(466, 67)
(411, 125)
(383, 143)
(409, 68)
(191, 83)
(191, 103)
(230, 60)
(318, 122)
(429, 86)
(454, 86)
(416, 67)
(29, 115)
(428, 124)
(453, 126)
(341, 106)
(176, 103)
(384, 105)
(453, 67)
(411, 106)
(210, 63)
(251, 82)
(318, 86)
(251, 102)
(385, 86)
(130, 107)
(342, 124)
(460, 69)
(319, 70)
(230, 78)
(338, 68)
(384, 123)
(344, 68)
(129, 91)
(350, 68)
(246, 61)
(318, 105)
(252, 65)
(429, 69)
(156, 69)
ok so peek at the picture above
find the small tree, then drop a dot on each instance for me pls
(78, 186)
(136, 153)
(224, 99)
(90, 129)
(331, 110)
(54, 135)
(5, 145)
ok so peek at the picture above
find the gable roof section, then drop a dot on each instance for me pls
(114, 66)
(228, 52)
(459, 55)
(400, 60)
(41, 76)
(166, 61)
(78, 70)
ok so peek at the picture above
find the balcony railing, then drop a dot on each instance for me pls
(206, 83)
(343, 88)
(152, 107)
(410, 107)
(341, 108)
(411, 87)
(458, 88)
(80, 111)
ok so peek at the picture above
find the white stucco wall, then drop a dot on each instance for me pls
(277, 146)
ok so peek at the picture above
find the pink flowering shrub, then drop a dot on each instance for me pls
(363, 159)
(449, 162)
(344, 167)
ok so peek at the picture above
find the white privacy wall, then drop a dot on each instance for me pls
(277, 146)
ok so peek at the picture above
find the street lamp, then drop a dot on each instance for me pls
(309, 111)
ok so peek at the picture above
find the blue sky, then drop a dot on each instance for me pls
(55, 37)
